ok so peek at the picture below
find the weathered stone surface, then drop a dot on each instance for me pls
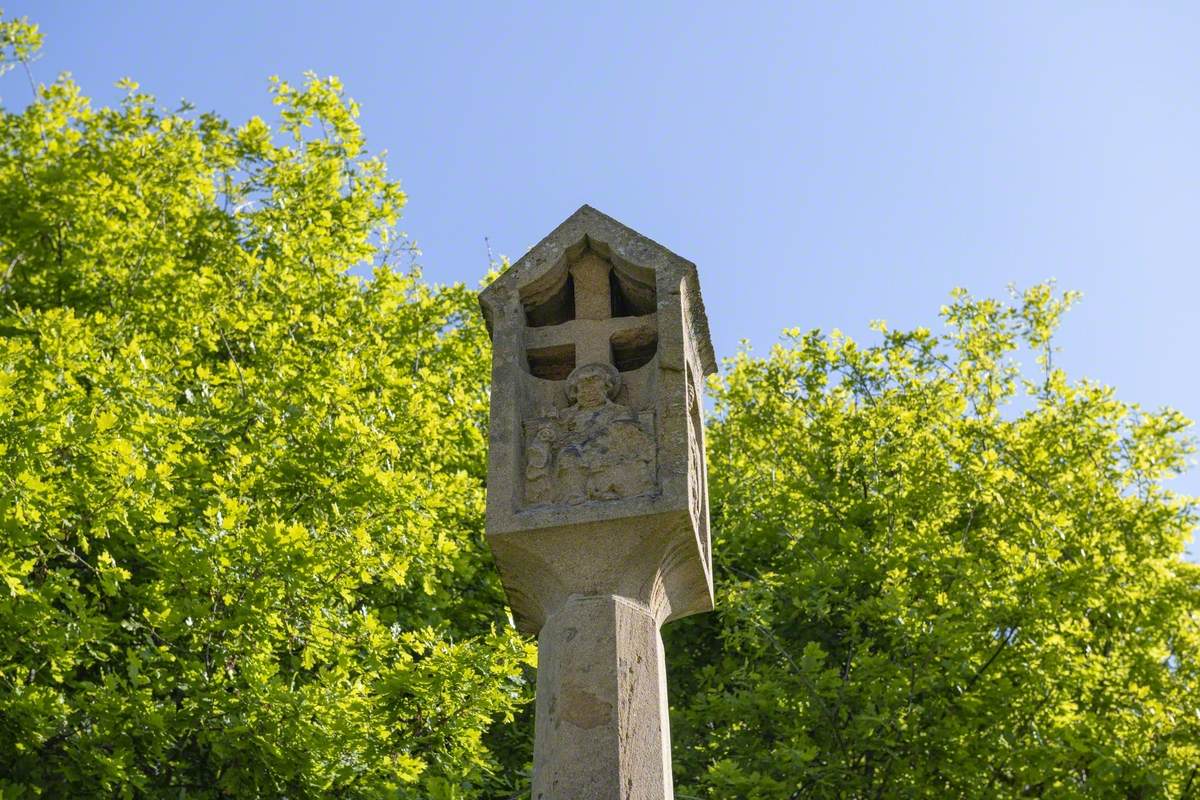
(597, 509)
(596, 449)
(601, 728)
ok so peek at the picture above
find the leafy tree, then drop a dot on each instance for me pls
(240, 490)
(939, 576)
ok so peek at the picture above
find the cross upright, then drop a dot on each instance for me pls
(597, 508)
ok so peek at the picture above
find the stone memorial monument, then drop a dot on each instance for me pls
(597, 507)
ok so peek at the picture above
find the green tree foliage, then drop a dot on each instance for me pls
(938, 576)
(240, 491)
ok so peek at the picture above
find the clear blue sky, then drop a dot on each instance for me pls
(823, 164)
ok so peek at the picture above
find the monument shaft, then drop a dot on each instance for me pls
(601, 729)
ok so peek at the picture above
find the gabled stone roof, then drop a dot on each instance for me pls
(628, 250)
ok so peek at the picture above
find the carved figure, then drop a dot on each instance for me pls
(597, 449)
(539, 458)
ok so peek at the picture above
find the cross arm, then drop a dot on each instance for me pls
(592, 338)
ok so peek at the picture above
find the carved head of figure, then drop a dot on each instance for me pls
(592, 384)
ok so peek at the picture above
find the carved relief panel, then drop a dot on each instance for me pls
(596, 449)
(697, 470)
(585, 336)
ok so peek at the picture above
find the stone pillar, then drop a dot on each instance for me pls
(597, 508)
(602, 730)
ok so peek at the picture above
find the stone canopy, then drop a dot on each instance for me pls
(594, 292)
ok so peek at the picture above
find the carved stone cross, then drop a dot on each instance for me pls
(597, 509)
(594, 326)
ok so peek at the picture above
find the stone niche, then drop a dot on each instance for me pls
(596, 479)
(591, 340)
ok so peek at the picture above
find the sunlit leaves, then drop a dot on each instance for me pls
(940, 575)
(240, 491)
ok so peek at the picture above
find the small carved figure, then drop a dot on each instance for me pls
(539, 456)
